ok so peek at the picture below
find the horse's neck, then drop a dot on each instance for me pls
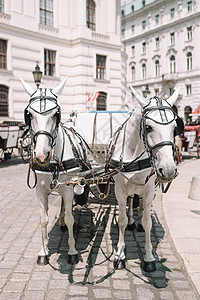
(129, 143)
(63, 148)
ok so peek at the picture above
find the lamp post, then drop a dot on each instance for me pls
(146, 92)
(37, 75)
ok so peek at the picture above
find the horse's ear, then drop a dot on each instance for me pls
(59, 88)
(27, 87)
(174, 97)
(142, 101)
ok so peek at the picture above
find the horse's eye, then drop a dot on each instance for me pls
(148, 128)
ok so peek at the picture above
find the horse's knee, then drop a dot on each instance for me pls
(123, 221)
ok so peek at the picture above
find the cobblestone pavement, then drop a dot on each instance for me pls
(96, 235)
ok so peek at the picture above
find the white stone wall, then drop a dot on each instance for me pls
(76, 47)
(178, 25)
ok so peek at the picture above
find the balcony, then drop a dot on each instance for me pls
(170, 77)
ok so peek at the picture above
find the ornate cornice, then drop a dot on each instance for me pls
(48, 29)
(5, 18)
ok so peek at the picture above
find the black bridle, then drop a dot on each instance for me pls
(27, 115)
(143, 128)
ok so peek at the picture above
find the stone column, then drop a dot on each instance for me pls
(81, 13)
(111, 16)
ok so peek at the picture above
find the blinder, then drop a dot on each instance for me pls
(27, 117)
(179, 129)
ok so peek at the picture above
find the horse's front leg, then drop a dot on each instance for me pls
(62, 224)
(119, 261)
(43, 203)
(131, 221)
(149, 260)
(69, 221)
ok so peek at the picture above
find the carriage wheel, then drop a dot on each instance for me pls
(1, 154)
(176, 155)
(198, 150)
(26, 148)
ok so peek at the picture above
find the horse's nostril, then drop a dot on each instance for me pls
(161, 171)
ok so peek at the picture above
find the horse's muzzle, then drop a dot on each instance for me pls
(166, 176)
(42, 159)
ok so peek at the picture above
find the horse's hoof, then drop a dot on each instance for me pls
(149, 266)
(119, 264)
(131, 227)
(63, 228)
(140, 228)
(72, 259)
(42, 260)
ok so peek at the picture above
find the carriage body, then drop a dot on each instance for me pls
(191, 138)
(98, 128)
(10, 132)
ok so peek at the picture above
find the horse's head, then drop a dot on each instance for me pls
(159, 125)
(43, 117)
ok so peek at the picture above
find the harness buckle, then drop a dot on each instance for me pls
(54, 184)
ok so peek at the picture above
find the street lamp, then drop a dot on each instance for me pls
(146, 92)
(37, 75)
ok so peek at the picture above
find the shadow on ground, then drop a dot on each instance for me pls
(96, 235)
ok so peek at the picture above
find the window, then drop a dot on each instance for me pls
(46, 12)
(172, 12)
(3, 54)
(1, 5)
(157, 40)
(157, 68)
(133, 50)
(3, 101)
(132, 8)
(189, 6)
(123, 32)
(143, 2)
(172, 38)
(172, 64)
(100, 67)
(144, 71)
(189, 61)
(188, 89)
(144, 24)
(189, 33)
(122, 12)
(157, 19)
(156, 91)
(101, 101)
(133, 28)
(49, 62)
(144, 47)
(133, 73)
(91, 15)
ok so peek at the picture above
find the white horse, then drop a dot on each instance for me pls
(55, 148)
(143, 148)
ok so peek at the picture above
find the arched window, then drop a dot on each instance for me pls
(101, 101)
(144, 71)
(91, 15)
(133, 73)
(172, 64)
(157, 68)
(3, 101)
(189, 61)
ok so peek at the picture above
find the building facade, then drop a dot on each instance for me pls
(79, 39)
(162, 41)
